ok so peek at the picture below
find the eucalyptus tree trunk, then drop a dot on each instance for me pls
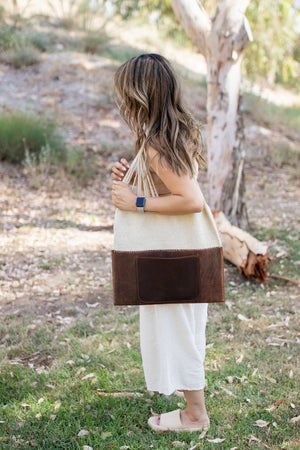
(222, 40)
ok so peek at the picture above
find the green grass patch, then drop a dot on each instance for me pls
(18, 47)
(288, 241)
(94, 41)
(271, 114)
(21, 56)
(6, 37)
(40, 39)
(27, 135)
(80, 165)
(120, 53)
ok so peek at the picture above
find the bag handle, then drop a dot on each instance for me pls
(141, 175)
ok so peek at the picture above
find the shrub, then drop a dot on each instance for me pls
(20, 56)
(26, 134)
(20, 47)
(43, 41)
(2, 13)
(6, 37)
(79, 164)
(285, 153)
(94, 41)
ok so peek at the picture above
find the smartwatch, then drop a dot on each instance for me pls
(140, 204)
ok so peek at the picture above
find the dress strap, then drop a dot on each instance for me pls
(141, 175)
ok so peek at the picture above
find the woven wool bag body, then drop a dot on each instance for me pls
(165, 258)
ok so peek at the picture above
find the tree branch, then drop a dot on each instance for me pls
(232, 24)
(194, 20)
(235, 6)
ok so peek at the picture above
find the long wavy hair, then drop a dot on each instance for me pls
(149, 98)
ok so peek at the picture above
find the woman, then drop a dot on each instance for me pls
(173, 335)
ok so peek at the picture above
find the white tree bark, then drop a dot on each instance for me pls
(193, 18)
(222, 40)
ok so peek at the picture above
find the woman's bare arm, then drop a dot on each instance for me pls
(185, 197)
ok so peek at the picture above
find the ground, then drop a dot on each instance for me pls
(57, 233)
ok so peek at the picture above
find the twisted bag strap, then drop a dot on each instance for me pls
(141, 175)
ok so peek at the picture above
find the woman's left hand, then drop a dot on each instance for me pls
(123, 197)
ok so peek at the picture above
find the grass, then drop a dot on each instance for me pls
(42, 40)
(17, 49)
(21, 47)
(21, 56)
(286, 266)
(27, 135)
(94, 41)
(6, 37)
(59, 371)
(79, 164)
(120, 53)
(271, 114)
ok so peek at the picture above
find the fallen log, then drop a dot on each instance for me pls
(241, 249)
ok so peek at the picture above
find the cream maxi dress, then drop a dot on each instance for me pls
(172, 336)
(172, 339)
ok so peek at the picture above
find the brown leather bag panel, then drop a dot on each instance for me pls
(140, 278)
(167, 279)
(124, 278)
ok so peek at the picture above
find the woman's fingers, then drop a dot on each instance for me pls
(119, 169)
(117, 176)
(125, 163)
(123, 196)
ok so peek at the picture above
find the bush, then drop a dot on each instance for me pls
(43, 41)
(79, 164)
(20, 56)
(24, 134)
(94, 41)
(285, 153)
(6, 37)
(20, 48)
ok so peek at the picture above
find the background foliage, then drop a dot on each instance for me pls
(274, 54)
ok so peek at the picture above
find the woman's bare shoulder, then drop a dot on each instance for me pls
(154, 159)
(152, 153)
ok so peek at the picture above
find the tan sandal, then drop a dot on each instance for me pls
(171, 422)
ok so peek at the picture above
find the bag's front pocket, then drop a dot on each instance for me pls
(161, 280)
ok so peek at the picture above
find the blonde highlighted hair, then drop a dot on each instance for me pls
(149, 98)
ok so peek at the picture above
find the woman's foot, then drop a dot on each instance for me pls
(188, 422)
(172, 421)
(195, 413)
(197, 421)
(193, 418)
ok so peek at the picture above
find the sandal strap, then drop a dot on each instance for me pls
(171, 419)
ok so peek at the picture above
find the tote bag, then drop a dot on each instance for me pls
(164, 258)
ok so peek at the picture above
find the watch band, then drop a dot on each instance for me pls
(140, 204)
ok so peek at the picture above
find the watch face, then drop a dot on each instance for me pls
(140, 202)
